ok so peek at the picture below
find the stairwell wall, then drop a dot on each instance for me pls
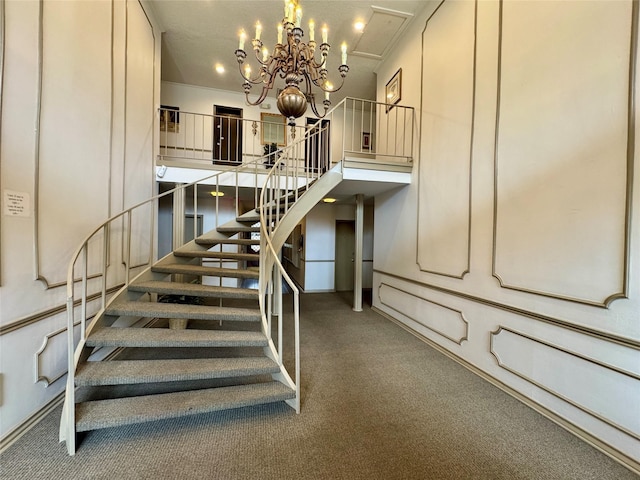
(516, 248)
(319, 254)
(80, 89)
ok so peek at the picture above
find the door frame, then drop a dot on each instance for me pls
(223, 119)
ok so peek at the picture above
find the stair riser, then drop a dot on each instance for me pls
(119, 412)
(80, 382)
(199, 294)
(187, 316)
(220, 256)
(164, 344)
(193, 290)
(234, 230)
(228, 273)
(86, 426)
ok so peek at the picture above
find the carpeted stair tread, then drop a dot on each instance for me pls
(252, 257)
(127, 372)
(126, 411)
(194, 290)
(188, 269)
(253, 217)
(182, 310)
(210, 241)
(164, 337)
(237, 228)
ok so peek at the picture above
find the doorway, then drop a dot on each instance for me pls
(345, 254)
(316, 151)
(227, 135)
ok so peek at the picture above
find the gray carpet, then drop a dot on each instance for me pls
(377, 403)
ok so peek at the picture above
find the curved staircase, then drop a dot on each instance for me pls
(193, 347)
(219, 327)
(176, 343)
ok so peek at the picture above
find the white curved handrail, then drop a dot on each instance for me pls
(285, 182)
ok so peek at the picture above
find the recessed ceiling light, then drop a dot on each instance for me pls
(219, 68)
(217, 194)
(358, 26)
(328, 200)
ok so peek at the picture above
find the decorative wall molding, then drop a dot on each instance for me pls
(38, 375)
(555, 417)
(424, 190)
(602, 335)
(143, 259)
(519, 284)
(458, 313)
(528, 377)
(36, 176)
(36, 317)
(2, 48)
(38, 270)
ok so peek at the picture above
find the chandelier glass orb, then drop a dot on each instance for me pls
(293, 61)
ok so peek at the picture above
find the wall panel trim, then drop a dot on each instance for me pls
(558, 419)
(459, 312)
(467, 269)
(38, 375)
(36, 317)
(549, 390)
(36, 235)
(600, 334)
(630, 154)
(2, 49)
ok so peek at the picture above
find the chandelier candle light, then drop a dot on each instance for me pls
(295, 62)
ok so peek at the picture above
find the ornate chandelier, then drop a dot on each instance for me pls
(295, 62)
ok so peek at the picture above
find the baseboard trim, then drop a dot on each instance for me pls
(571, 427)
(15, 434)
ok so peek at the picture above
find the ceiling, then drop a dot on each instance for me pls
(198, 34)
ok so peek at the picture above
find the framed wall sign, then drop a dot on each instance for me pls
(393, 90)
(366, 141)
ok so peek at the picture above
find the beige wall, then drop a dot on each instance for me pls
(77, 144)
(520, 226)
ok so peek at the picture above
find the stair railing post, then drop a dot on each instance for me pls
(237, 201)
(83, 297)
(128, 248)
(195, 210)
(105, 261)
(278, 308)
(296, 339)
(69, 429)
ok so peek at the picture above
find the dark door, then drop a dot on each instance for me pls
(316, 155)
(227, 135)
(345, 254)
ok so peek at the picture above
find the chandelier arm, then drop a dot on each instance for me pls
(312, 98)
(264, 72)
(260, 99)
(294, 61)
(249, 79)
(330, 90)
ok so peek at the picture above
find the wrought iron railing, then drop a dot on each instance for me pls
(221, 139)
(355, 128)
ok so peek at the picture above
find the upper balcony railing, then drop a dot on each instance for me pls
(354, 129)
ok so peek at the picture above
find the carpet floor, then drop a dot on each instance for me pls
(377, 403)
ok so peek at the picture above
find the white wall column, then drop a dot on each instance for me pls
(357, 264)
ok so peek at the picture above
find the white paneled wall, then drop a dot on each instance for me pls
(516, 248)
(80, 93)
